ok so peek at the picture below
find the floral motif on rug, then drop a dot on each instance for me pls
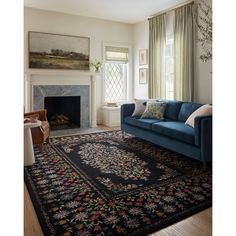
(104, 184)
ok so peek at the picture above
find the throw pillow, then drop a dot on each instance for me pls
(140, 106)
(205, 110)
(154, 110)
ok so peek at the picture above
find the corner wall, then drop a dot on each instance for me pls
(141, 32)
(203, 75)
(97, 30)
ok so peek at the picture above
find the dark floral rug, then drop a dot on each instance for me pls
(102, 184)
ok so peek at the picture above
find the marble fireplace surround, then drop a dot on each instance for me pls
(64, 83)
(42, 91)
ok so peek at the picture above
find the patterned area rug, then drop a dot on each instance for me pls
(103, 184)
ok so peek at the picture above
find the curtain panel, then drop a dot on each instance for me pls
(183, 51)
(157, 38)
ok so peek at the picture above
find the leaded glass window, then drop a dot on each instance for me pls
(116, 64)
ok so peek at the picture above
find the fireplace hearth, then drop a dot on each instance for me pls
(63, 112)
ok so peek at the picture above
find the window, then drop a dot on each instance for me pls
(169, 56)
(169, 67)
(115, 74)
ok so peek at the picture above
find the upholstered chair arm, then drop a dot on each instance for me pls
(42, 114)
(126, 110)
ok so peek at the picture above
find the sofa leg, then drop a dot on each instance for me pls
(204, 165)
(123, 134)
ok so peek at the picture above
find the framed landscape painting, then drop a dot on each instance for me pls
(55, 51)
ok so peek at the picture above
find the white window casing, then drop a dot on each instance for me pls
(117, 73)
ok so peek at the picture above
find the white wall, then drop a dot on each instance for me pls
(140, 32)
(203, 76)
(97, 30)
(203, 80)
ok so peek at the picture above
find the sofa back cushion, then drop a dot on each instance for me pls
(187, 109)
(172, 110)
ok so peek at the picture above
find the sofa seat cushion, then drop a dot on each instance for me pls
(142, 123)
(175, 129)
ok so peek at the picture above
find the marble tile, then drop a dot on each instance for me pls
(41, 91)
(66, 132)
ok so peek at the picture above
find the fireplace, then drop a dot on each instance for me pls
(63, 112)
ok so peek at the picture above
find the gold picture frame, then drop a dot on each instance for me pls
(143, 74)
(143, 57)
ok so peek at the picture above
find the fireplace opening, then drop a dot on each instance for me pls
(63, 112)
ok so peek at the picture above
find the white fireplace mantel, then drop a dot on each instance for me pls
(64, 77)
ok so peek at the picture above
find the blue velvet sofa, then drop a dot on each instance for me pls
(172, 133)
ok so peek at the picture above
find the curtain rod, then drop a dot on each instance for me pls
(171, 8)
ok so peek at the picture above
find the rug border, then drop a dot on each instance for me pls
(151, 229)
(36, 204)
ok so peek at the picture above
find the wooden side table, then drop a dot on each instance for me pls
(28, 143)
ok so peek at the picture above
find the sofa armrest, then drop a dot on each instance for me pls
(126, 110)
(203, 136)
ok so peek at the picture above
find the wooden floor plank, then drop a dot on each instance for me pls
(31, 223)
(199, 224)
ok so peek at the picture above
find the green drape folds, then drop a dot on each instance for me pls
(157, 38)
(183, 51)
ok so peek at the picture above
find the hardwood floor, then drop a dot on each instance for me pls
(31, 223)
(199, 224)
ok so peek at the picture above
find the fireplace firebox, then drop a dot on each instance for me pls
(63, 112)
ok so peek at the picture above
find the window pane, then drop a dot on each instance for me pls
(169, 67)
(115, 81)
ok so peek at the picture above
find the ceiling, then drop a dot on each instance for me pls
(127, 11)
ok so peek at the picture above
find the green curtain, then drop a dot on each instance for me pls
(183, 51)
(157, 38)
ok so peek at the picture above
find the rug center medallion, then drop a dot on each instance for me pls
(115, 168)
